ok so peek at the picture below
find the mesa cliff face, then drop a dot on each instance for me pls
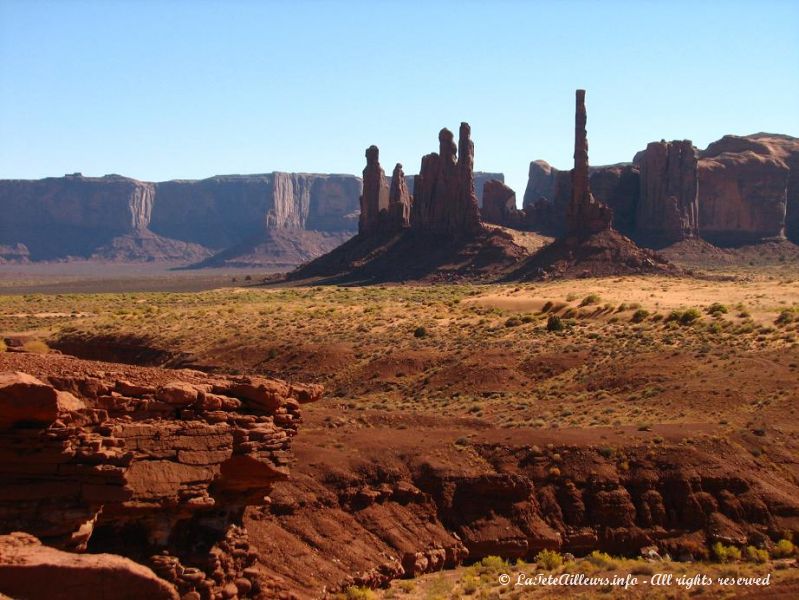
(72, 215)
(739, 190)
(743, 183)
(668, 206)
(85, 217)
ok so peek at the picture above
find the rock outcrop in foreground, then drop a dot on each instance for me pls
(158, 468)
(37, 571)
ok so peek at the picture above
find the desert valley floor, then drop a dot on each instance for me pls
(607, 413)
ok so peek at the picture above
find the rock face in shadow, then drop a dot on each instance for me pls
(72, 215)
(585, 215)
(499, 206)
(374, 199)
(155, 466)
(399, 200)
(668, 206)
(444, 199)
(436, 234)
(480, 179)
(116, 218)
(221, 211)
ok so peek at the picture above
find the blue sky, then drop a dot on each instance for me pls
(177, 89)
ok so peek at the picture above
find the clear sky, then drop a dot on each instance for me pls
(177, 89)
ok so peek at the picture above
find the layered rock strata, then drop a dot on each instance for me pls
(115, 217)
(156, 469)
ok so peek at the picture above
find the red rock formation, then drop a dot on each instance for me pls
(158, 470)
(499, 206)
(743, 188)
(399, 200)
(585, 215)
(374, 199)
(668, 207)
(445, 200)
(39, 572)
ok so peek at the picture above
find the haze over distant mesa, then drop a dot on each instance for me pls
(738, 191)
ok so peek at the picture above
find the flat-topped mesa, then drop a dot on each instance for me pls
(445, 200)
(668, 207)
(374, 198)
(585, 215)
(399, 200)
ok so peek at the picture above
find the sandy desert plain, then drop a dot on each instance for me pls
(517, 398)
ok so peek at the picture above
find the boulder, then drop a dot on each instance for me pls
(26, 401)
(35, 572)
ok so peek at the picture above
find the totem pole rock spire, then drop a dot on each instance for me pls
(399, 200)
(585, 215)
(374, 198)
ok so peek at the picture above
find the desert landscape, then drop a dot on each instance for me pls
(409, 382)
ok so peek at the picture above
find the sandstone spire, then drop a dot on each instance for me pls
(444, 195)
(399, 200)
(585, 215)
(374, 198)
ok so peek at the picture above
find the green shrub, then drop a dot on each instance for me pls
(717, 309)
(785, 317)
(420, 332)
(639, 315)
(783, 549)
(725, 554)
(601, 559)
(359, 593)
(689, 316)
(470, 584)
(492, 564)
(406, 586)
(590, 299)
(547, 306)
(548, 559)
(684, 317)
(554, 323)
(36, 347)
(513, 322)
(756, 555)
